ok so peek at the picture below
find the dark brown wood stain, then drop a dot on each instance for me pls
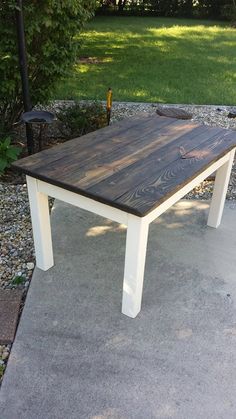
(133, 165)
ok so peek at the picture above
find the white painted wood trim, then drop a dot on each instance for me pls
(187, 188)
(135, 256)
(219, 192)
(83, 202)
(41, 225)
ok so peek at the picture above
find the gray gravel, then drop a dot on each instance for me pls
(17, 254)
(4, 354)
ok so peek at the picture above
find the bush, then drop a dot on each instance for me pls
(8, 154)
(170, 8)
(229, 11)
(79, 119)
(51, 30)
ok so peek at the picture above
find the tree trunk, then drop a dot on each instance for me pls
(121, 5)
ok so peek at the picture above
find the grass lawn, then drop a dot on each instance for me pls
(155, 60)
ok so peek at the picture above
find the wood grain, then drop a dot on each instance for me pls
(143, 168)
(158, 187)
(85, 145)
(133, 165)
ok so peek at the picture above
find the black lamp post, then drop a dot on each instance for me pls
(24, 71)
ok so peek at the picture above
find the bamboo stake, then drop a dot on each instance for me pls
(109, 105)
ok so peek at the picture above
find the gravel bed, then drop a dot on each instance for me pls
(16, 247)
(17, 258)
(17, 255)
(4, 354)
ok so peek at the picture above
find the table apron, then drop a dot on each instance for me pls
(83, 202)
(188, 187)
(118, 215)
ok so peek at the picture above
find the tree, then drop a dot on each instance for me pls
(121, 5)
(212, 8)
(181, 8)
(51, 30)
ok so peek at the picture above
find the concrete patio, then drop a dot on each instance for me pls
(76, 356)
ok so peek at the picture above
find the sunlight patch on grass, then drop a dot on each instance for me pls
(197, 31)
(155, 60)
(81, 68)
(228, 44)
(141, 93)
(229, 75)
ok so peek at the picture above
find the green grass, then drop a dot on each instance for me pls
(155, 60)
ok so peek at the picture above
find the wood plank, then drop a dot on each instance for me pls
(79, 162)
(115, 134)
(153, 191)
(128, 178)
(52, 154)
(105, 163)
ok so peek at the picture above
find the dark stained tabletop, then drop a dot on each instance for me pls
(135, 164)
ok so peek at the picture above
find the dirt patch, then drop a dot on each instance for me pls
(93, 60)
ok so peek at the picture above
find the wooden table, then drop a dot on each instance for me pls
(130, 172)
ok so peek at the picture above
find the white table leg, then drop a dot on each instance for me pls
(219, 192)
(135, 256)
(41, 225)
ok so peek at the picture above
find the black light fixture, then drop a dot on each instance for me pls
(24, 71)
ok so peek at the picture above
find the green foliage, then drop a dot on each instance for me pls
(79, 119)
(8, 154)
(17, 280)
(174, 8)
(229, 11)
(51, 29)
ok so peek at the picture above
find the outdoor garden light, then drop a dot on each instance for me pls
(41, 118)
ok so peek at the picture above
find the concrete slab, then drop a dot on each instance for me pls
(10, 302)
(76, 356)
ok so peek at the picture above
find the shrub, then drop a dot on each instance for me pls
(51, 30)
(229, 11)
(79, 119)
(8, 154)
(18, 280)
(174, 8)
